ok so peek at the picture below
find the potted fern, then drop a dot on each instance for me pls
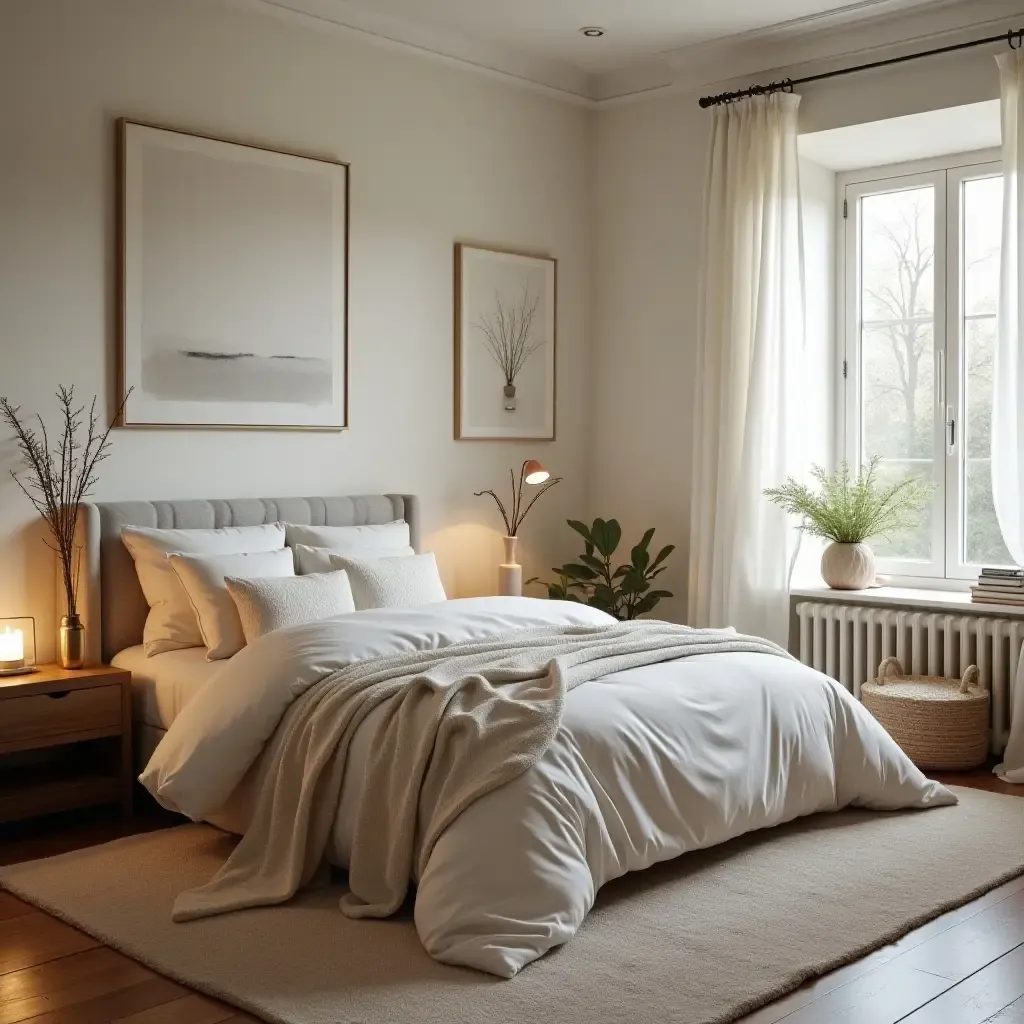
(848, 512)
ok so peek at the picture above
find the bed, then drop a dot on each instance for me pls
(505, 756)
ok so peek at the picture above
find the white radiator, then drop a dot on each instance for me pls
(847, 642)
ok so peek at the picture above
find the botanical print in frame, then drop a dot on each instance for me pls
(234, 283)
(505, 328)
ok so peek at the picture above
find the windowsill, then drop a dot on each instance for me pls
(909, 597)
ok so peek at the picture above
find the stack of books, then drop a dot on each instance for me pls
(999, 586)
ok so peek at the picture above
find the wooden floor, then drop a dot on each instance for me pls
(966, 967)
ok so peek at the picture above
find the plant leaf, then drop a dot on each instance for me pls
(646, 604)
(578, 572)
(640, 557)
(580, 528)
(663, 554)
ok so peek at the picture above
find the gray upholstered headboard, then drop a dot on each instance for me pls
(112, 604)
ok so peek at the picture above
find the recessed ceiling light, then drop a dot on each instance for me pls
(592, 31)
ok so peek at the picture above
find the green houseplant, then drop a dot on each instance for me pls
(623, 591)
(848, 511)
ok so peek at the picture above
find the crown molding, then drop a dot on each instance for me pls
(855, 30)
(554, 78)
(807, 46)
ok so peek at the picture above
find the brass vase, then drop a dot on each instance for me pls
(72, 642)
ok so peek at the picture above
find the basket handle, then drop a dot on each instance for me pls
(972, 677)
(883, 670)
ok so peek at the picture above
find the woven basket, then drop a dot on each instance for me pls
(940, 723)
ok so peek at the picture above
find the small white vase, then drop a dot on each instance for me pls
(848, 566)
(510, 572)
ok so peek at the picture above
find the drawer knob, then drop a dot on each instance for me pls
(58, 694)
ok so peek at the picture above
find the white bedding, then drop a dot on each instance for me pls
(648, 764)
(163, 684)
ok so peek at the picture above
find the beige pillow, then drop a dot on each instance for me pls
(310, 560)
(171, 623)
(267, 604)
(351, 540)
(202, 577)
(401, 582)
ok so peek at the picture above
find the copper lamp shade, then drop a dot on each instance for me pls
(534, 473)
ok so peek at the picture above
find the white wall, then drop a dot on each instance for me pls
(437, 155)
(650, 166)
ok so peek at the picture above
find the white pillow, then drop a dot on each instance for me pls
(202, 577)
(171, 623)
(268, 604)
(309, 560)
(403, 582)
(351, 540)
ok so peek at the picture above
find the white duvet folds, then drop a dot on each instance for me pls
(648, 764)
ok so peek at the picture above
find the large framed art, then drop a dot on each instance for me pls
(505, 333)
(233, 283)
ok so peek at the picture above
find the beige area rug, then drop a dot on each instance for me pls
(704, 938)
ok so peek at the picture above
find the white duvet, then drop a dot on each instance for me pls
(648, 764)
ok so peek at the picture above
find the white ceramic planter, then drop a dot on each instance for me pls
(848, 566)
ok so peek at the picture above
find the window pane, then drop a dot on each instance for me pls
(982, 212)
(979, 352)
(898, 412)
(916, 541)
(897, 371)
(898, 246)
(982, 218)
(982, 536)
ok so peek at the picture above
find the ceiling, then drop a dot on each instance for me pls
(549, 29)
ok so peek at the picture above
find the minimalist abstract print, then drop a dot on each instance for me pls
(234, 266)
(504, 345)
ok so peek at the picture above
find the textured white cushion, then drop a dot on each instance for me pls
(202, 577)
(351, 540)
(171, 623)
(402, 582)
(309, 559)
(268, 604)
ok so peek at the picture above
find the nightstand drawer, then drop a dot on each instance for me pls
(47, 719)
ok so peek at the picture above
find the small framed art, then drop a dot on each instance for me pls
(234, 283)
(505, 335)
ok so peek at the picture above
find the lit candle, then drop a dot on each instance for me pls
(12, 649)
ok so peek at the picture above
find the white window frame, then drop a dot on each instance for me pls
(946, 175)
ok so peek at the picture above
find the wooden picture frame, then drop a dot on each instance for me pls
(506, 337)
(232, 282)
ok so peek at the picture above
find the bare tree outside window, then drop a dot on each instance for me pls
(898, 348)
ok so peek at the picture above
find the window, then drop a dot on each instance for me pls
(921, 266)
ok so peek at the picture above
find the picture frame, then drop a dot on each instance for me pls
(506, 326)
(233, 270)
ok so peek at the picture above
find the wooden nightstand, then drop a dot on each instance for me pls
(83, 718)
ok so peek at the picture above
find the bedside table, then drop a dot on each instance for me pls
(83, 718)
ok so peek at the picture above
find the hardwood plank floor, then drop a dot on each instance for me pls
(966, 967)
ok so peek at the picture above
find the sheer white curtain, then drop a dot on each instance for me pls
(747, 422)
(1008, 372)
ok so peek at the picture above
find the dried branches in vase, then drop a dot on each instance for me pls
(57, 479)
(507, 338)
(510, 572)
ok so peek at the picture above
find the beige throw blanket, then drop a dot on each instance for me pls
(458, 722)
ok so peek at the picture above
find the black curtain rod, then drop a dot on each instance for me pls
(1015, 37)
